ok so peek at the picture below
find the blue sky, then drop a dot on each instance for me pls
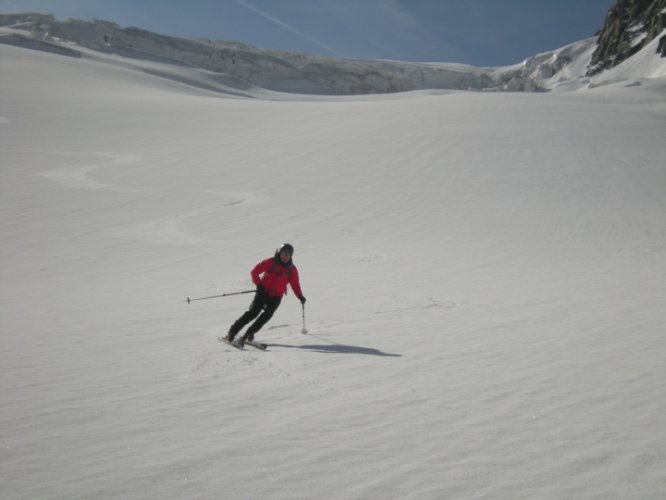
(477, 32)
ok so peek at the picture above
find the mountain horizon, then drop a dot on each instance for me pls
(242, 65)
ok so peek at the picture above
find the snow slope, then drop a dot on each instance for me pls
(484, 274)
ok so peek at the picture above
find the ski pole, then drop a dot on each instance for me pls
(304, 330)
(216, 296)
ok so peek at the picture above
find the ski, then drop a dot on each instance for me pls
(257, 345)
(231, 343)
(237, 345)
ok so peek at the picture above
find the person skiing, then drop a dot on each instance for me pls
(271, 276)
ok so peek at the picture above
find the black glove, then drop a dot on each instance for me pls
(302, 299)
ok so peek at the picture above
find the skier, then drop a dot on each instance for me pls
(271, 276)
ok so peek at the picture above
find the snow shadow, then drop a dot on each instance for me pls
(339, 349)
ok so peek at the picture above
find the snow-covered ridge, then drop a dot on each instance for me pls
(244, 66)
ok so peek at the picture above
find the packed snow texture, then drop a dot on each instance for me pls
(485, 274)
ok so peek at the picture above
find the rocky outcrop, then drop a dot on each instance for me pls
(628, 27)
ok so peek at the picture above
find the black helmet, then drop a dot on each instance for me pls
(285, 247)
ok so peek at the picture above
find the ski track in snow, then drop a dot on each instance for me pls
(80, 177)
(164, 230)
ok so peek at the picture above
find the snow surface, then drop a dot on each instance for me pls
(485, 275)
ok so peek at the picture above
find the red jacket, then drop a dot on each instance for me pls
(276, 277)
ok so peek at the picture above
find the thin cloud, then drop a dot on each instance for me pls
(284, 25)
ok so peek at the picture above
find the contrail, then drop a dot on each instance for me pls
(275, 20)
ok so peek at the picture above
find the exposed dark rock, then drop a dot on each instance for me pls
(629, 26)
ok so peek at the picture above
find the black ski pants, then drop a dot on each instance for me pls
(262, 308)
